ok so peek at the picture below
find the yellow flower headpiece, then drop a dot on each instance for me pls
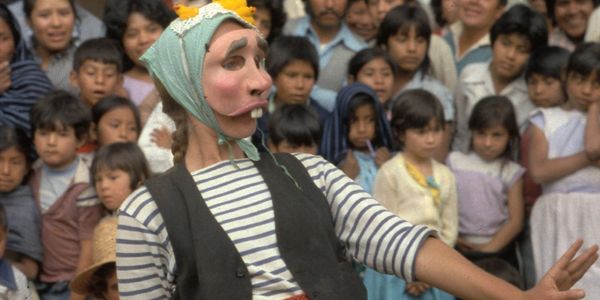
(239, 7)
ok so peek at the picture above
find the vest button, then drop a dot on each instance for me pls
(240, 273)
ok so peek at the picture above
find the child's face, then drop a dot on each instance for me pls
(509, 56)
(362, 126)
(294, 83)
(112, 286)
(449, 11)
(379, 8)
(490, 143)
(117, 125)
(545, 91)
(52, 24)
(379, 76)
(582, 91)
(112, 187)
(572, 16)
(7, 42)
(408, 50)
(359, 20)
(139, 35)
(262, 17)
(96, 80)
(13, 168)
(285, 147)
(421, 143)
(57, 148)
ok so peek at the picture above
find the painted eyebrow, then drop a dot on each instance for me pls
(237, 45)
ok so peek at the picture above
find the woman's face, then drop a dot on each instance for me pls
(234, 79)
(139, 35)
(408, 50)
(7, 42)
(52, 23)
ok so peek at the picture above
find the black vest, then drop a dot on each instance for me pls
(210, 267)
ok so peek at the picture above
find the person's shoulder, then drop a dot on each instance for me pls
(472, 73)
(139, 204)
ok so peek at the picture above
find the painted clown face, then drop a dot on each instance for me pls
(234, 79)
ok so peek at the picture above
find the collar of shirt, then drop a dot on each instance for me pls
(480, 74)
(456, 30)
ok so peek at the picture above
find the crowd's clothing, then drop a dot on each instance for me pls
(443, 67)
(159, 159)
(474, 84)
(482, 192)
(558, 37)
(333, 57)
(478, 53)
(137, 89)
(13, 283)
(54, 183)
(240, 201)
(24, 223)
(334, 144)
(569, 207)
(59, 68)
(592, 33)
(400, 190)
(368, 170)
(426, 82)
(68, 221)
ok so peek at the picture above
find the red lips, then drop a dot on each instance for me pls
(248, 107)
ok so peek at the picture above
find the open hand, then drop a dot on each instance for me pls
(557, 282)
(161, 137)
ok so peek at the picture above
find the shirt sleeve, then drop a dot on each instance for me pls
(372, 235)
(145, 259)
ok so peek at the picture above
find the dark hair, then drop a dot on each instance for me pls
(278, 15)
(98, 285)
(63, 108)
(502, 269)
(492, 111)
(15, 137)
(109, 103)
(104, 50)
(585, 60)
(550, 6)
(363, 57)
(438, 12)
(414, 109)
(3, 220)
(29, 4)
(401, 19)
(116, 15)
(7, 16)
(357, 101)
(526, 22)
(295, 123)
(286, 49)
(127, 157)
(548, 61)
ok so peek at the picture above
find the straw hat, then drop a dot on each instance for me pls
(105, 237)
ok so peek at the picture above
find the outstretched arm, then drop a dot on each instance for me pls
(441, 266)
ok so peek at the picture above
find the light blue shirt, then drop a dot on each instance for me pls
(435, 87)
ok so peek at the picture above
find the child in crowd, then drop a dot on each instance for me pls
(416, 187)
(360, 21)
(294, 128)
(516, 34)
(357, 137)
(117, 170)
(405, 33)
(293, 63)
(100, 279)
(269, 17)
(136, 24)
(565, 161)
(13, 283)
(23, 243)
(61, 186)
(546, 89)
(115, 119)
(375, 68)
(489, 183)
(571, 18)
(97, 68)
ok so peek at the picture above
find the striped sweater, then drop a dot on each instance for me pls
(241, 203)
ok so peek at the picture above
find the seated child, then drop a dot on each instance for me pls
(23, 243)
(117, 170)
(62, 190)
(294, 128)
(115, 119)
(516, 34)
(97, 70)
(100, 279)
(13, 283)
